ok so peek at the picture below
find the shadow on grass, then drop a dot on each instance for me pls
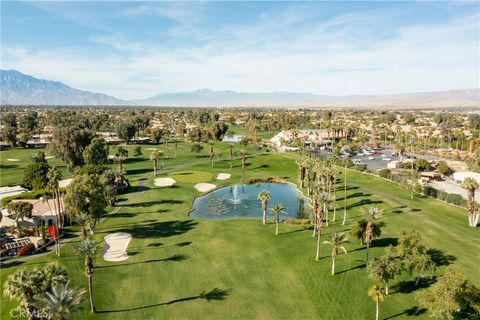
(159, 229)
(440, 258)
(153, 203)
(212, 295)
(384, 242)
(414, 311)
(174, 258)
(355, 195)
(363, 202)
(409, 286)
(139, 171)
(351, 269)
(5, 265)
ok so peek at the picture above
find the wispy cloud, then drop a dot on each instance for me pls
(278, 49)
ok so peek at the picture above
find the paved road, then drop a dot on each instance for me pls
(452, 187)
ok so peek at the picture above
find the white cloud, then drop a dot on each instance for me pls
(279, 53)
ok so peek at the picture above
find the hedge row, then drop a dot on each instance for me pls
(36, 194)
(452, 198)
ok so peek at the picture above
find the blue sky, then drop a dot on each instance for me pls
(137, 49)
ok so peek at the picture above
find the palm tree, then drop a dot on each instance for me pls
(368, 228)
(277, 210)
(61, 301)
(345, 164)
(154, 157)
(372, 214)
(264, 196)
(27, 284)
(88, 248)
(470, 184)
(243, 154)
(377, 293)
(336, 240)
(54, 177)
(322, 198)
(211, 152)
(301, 170)
(230, 154)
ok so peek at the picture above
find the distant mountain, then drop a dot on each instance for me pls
(18, 88)
(205, 97)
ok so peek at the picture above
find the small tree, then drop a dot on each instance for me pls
(137, 152)
(277, 209)
(196, 148)
(125, 131)
(451, 297)
(20, 210)
(383, 269)
(377, 294)
(336, 241)
(264, 197)
(96, 152)
(244, 155)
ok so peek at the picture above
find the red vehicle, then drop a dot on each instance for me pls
(376, 152)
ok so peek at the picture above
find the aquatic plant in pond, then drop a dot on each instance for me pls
(240, 201)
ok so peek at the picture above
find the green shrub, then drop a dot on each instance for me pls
(266, 179)
(456, 199)
(35, 175)
(37, 194)
(384, 173)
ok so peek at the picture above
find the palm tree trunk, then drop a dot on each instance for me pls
(377, 312)
(276, 230)
(333, 266)
(368, 247)
(90, 291)
(386, 288)
(317, 257)
(264, 216)
(334, 203)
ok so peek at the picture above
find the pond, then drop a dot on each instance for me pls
(239, 201)
(233, 138)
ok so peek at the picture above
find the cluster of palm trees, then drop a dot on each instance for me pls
(277, 209)
(43, 292)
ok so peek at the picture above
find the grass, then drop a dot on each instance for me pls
(187, 268)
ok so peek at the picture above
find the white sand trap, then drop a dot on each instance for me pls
(64, 183)
(223, 176)
(116, 246)
(164, 182)
(204, 187)
(111, 156)
(50, 157)
(13, 160)
(151, 149)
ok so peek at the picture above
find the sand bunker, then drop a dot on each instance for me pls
(50, 157)
(13, 160)
(223, 176)
(64, 183)
(116, 246)
(204, 187)
(151, 149)
(164, 182)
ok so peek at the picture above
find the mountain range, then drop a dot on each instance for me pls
(17, 88)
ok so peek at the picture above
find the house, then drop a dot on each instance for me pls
(308, 136)
(428, 176)
(43, 213)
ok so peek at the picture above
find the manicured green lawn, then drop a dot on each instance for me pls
(187, 268)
